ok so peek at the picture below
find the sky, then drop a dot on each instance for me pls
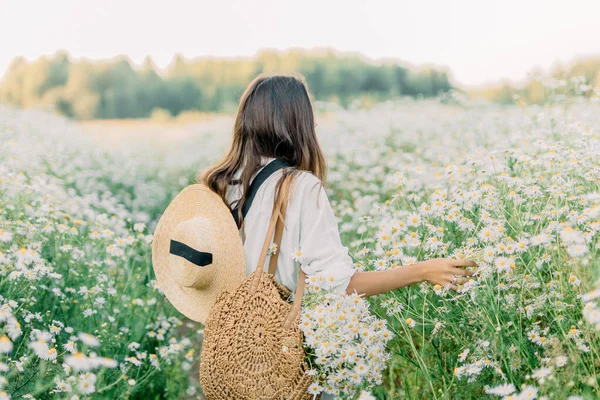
(480, 41)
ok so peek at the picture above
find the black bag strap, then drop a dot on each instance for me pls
(258, 180)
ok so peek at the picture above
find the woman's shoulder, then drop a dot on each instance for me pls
(306, 180)
(308, 188)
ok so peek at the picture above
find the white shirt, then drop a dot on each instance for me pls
(309, 225)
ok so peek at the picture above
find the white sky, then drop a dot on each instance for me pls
(479, 40)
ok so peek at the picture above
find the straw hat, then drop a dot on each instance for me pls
(197, 251)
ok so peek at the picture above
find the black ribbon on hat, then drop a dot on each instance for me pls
(200, 258)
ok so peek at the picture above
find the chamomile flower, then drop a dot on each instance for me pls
(364, 395)
(272, 248)
(139, 227)
(528, 393)
(78, 361)
(573, 280)
(504, 389)
(561, 361)
(297, 254)
(6, 346)
(462, 356)
(5, 236)
(413, 220)
(87, 383)
(88, 339)
(542, 373)
(315, 388)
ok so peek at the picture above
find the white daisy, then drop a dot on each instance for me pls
(87, 383)
(502, 390)
(78, 361)
(528, 392)
(542, 373)
(88, 339)
(577, 250)
(366, 396)
(315, 388)
(272, 248)
(5, 236)
(62, 386)
(6, 345)
(574, 280)
(561, 361)
(297, 255)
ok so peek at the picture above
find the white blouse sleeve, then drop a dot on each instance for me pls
(321, 247)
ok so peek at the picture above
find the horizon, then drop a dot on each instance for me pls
(163, 69)
(479, 44)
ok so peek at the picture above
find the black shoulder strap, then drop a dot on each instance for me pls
(258, 180)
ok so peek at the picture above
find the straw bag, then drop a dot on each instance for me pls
(253, 347)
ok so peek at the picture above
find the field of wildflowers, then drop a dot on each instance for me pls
(80, 316)
(517, 188)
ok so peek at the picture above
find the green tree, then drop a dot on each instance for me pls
(114, 89)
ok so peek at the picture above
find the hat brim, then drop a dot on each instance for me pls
(193, 201)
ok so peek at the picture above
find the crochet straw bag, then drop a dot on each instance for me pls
(253, 346)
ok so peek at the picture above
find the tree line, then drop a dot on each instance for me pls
(579, 78)
(114, 88)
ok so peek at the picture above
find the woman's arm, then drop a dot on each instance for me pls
(438, 270)
(324, 253)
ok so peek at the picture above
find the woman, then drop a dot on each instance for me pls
(275, 119)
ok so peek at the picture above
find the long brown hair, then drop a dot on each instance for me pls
(275, 118)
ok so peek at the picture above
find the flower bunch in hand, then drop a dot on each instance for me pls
(345, 344)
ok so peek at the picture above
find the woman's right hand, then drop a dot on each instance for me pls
(441, 271)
